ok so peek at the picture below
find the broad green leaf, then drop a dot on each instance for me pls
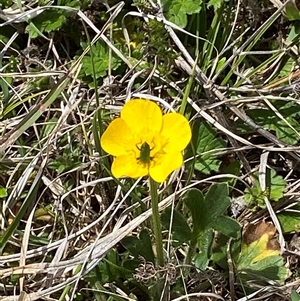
(290, 219)
(155, 290)
(227, 226)
(47, 21)
(286, 67)
(259, 259)
(131, 264)
(208, 215)
(108, 270)
(207, 165)
(271, 268)
(216, 201)
(99, 61)
(204, 244)
(205, 212)
(204, 140)
(146, 245)
(220, 252)
(195, 202)
(255, 252)
(292, 12)
(141, 246)
(274, 190)
(233, 168)
(294, 31)
(278, 185)
(215, 3)
(220, 64)
(6, 3)
(285, 133)
(177, 10)
(295, 296)
(112, 264)
(180, 229)
(131, 243)
(3, 192)
(270, 121)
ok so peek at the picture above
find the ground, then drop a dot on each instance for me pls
(222, 226)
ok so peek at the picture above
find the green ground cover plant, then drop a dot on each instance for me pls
(149, 150)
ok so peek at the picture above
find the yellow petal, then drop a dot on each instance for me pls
(143, 117)
(176, 132)
(164, 164)
(128, 166)
(117, 139)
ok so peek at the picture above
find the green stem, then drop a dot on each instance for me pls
(156, 222)
(188, 89)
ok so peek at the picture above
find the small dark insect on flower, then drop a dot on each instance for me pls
(145, 153)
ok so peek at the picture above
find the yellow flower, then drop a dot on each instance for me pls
(143, 141)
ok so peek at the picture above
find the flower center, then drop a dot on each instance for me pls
(145, 153)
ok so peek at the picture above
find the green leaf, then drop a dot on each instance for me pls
(233, 168)
(195, 202)
(131, 264)
(274, 191)
(292, 11)
(131, 243)
(295, 296)
(278, 185)
(271, 268)
(108, 270)
(99, 61)
(285, 133)
(177, 10)
(146, 249)
(70, 3)
(220, 64)
(216, 201)
(294, 31)
(219, 253)
(207, 215)
(141, 246)
(204, 140)
(180, 229)
(270, 121)
(286, 67)
(255, 253)
(112, 264)
(205, 212)
(228, 226)
(204, 244)
(3, 192)
(259, 259)
(49, 20)
(290, 219)
(49, 127)
(6, 3)
(215, 3)
(68, 160)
